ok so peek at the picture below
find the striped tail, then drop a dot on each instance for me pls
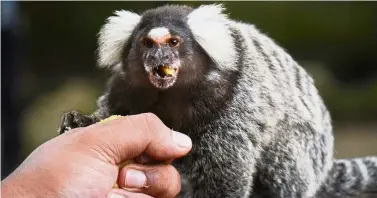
(351, 178)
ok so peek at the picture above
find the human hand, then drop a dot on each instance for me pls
(83, 162)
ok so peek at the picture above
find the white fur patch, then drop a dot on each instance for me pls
(158, 33)
(214, 76)
(114, 35)
(210, 29)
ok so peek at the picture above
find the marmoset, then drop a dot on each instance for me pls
(257, 122)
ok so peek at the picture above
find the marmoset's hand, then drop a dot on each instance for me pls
(84, 162)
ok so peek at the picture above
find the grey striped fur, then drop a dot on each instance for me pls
(258, 125)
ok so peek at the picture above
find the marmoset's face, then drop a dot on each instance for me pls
(160, 50)
(163, 50)
(170, 56)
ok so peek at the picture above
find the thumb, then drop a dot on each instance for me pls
(130, 136)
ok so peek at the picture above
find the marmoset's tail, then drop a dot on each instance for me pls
(351, 178)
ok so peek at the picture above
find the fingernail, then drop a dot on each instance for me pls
(115, 195)
(181, 139)
(135, 179)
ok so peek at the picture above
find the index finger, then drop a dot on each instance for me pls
(129, 136)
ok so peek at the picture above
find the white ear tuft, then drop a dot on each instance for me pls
(210, 27)
(113, 36)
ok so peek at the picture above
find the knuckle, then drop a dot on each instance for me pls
(153, 122)
(151, 118)
(156, 132)
(150, 123)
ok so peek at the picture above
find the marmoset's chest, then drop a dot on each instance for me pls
(180, 111)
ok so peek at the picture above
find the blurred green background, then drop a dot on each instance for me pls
(48, 63)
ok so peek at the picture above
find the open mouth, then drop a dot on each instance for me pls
(163, 76)
(165, 71)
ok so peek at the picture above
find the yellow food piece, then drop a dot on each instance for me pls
(168, 71)
(113, 117)
(121, 165)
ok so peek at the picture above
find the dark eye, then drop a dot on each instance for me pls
(147, 42)
(173, 42)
